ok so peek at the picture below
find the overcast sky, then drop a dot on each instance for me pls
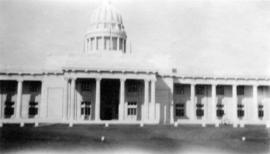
(216, 37)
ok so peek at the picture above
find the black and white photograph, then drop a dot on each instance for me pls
(135, 76)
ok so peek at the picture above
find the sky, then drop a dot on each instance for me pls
(208, 37)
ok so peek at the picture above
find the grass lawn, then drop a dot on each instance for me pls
(133, 139)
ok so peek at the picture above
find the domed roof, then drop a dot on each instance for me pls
(106, 13)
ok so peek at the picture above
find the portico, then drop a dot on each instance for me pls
(110, 96)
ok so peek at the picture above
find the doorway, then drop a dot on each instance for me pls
(109, 99)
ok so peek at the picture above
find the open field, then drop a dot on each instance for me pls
(133, 139)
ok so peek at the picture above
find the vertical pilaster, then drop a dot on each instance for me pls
(1, 102)
(172, 105)
(192, 101)
(153, 100)
(213, 104)
(255, 102)
(146, 100)
(86, 42)
(72, 99)
(65, 105)
(234, 105)
(122, 99)
(97, 105)
(19, 99)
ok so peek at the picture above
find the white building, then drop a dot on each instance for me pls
(107, 85)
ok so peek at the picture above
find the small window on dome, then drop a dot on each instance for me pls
(113, 26)
(106, 43)
(114, 43)
(105, 26)
(92, 43)
(120, 44)
(119, 26)
(98, 45)
(124, 45)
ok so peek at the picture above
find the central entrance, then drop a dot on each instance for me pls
(109, 99)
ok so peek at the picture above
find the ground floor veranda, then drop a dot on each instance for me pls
(103, 100)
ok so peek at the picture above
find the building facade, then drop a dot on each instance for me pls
(88, 90)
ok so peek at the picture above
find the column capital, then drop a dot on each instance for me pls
(193, 84)
(153, 80)
(234, 85)
(146, 80)
(123, 79)
(255, 85)
(98, 78)
(19, 80)
(214, 84)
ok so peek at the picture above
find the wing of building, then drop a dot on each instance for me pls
(105, 84)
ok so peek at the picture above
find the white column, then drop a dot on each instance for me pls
(122, 99)
(192, 101)
(19, 99)
(1, 103)
(171, 105)
(255, 102)
(145, 111)
(234, 105)
(97, 105)
(153, 100)
(65, 106)
(72, 99)
(214, 103)
(86, 45)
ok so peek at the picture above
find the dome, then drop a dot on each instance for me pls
(106, 13)
(106, 31)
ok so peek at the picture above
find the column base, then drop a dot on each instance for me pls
(203, 125)
(141, 124)
(70, 124)
(235, 125)
(36, 124)
(242, 125)
(21, 124)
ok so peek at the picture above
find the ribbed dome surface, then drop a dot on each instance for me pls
(106, 13)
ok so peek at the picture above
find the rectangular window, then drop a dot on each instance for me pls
(132, 109)
(98, 44)
(180, 110)
(124, 45)
(179, 89)
(9, 109)
(240, 90)
(220, 110)
(200, 90)
(86, 109)
(199, 110)
(34, 87)
(220, 90)
(33, 109)
(240, 111)
(133, 88)
(85, 86)
(260, 111)
(106, 43)
(8, 87)
(114, 43)
(120, 44)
